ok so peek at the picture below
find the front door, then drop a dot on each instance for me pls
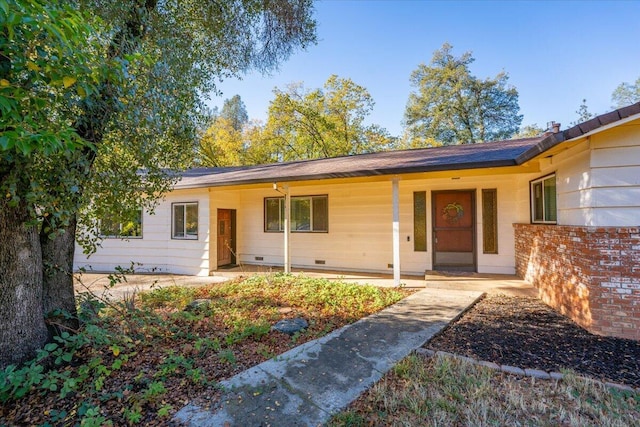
(225, 237)
(454, 230)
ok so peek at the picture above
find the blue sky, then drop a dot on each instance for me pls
(555, 52)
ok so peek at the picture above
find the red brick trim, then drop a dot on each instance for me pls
(590, 274)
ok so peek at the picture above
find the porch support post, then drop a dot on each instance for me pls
(287, 229)
(396, 231)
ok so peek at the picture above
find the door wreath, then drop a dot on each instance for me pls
(453, 212)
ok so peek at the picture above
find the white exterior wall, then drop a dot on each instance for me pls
(599, 179)
(615, 176)
(360, 224)
(156, 251)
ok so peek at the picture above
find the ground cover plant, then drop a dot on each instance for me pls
(444, 391)
(139, 360)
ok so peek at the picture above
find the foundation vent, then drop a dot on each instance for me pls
(259, 258)
(320, 262)
(389, 265)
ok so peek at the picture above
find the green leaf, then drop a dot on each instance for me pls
(24, 147)
(51, 347)
(68, 81)
(4, 8)
(6, 142)
(6, 104)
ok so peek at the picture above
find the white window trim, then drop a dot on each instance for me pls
(185, 236)
(281, 219)
(533, 198)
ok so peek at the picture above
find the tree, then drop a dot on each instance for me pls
(112, 91)
(454, 107)
(626, 94)
(583, 113)
(221, 145)
(529, 131)
(324, 122)
(47, 64)
(234, 111)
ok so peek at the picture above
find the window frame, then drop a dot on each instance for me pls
(532, 199)
(119, 235)
(281, 213)
(186, 236)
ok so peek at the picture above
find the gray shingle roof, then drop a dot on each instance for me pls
(454, 157)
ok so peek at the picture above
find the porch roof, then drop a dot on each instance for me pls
(448, 158)
(453, 157)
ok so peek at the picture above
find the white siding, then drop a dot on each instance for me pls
(157, 251)
(360, 224)
(615, 176)
(599, 179)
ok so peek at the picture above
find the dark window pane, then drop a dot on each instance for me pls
(133, 227)
(109, 228)
(300, 214)
(274, 212)
(320, 214)
(178, 220)
(192, 219)
(538, 206)
(420, 221)
(550, 208)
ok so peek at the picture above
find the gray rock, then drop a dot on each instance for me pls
(536, 373)
(290, 326)
(556, 376)
(198, 304)
(512, 370)
(489, 365)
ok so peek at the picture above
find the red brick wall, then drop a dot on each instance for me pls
(591, 274)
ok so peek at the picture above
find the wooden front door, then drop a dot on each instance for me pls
(454, 230)
(225, 238)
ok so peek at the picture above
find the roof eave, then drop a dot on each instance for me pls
(547, 143)
(354, 174)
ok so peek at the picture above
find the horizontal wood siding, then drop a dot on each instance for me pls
(615, 170)
(360, 225)
(156, 251)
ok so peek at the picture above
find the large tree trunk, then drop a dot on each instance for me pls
(23, 329)
(57, 283)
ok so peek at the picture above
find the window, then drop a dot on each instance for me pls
(420, 221)
(490, 221)
(131, 229)
(308, 214)
(185, 220)
(543, 200)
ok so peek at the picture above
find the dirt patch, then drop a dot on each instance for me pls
(525, 332)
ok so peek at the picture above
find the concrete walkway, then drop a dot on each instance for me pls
(308, 384)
